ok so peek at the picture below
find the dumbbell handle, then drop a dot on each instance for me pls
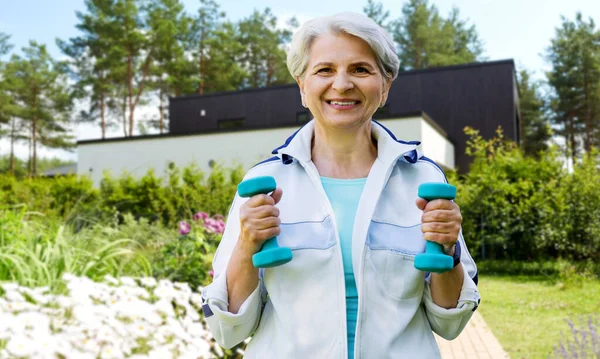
(434, 259)
(270, 254)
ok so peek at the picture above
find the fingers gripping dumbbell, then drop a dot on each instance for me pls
(434, 259)
(270, 255)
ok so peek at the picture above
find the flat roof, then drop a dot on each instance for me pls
(400, 74)
(421, 114)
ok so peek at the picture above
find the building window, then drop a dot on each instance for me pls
(302, 117)
(232, 123)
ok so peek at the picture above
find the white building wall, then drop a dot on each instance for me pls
(433, 143)
(436, 146)
(228, 149)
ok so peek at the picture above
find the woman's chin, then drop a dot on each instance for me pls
(345, 121)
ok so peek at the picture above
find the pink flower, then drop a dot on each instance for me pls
(199, 215)
(214, 225)
(184, 228)
(211, 273)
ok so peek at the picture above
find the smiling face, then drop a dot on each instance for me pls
(342, 85)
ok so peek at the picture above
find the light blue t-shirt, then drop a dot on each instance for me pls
(344, 195)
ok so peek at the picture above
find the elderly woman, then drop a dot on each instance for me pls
(347, 206)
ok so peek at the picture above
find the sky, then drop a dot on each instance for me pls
(510, 29)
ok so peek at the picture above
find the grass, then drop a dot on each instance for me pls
(36, 251)
(527, 313)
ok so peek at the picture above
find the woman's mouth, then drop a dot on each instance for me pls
(343, 104)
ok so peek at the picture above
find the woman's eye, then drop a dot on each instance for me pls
(362, 70)
(324, 70)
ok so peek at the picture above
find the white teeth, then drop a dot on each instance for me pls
(348, 103)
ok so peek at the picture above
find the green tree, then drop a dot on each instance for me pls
(8, 122)
(5, 45)
(426, 39)
(130, 42)
(92, 63)
(5, 98)
(170, 32)
(574, 54)
(39, 86)
(264, 55)
(535, 126)
(223, 69)
(118, 37)
(206, 24)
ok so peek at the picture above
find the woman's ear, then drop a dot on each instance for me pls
(387, 83)
(301, 86)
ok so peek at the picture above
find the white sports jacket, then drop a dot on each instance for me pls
(304, 313)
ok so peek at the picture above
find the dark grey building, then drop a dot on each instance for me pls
(481, 95)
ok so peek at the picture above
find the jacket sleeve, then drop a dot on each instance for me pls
(449, 323)
(227, 328)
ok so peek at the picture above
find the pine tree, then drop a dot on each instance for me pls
(534, 127)
(94, 63)
(130, 42)
(5, 98)
(206, 24)
(42, 100)
(263, 55)
(223, 69)
(426, 39)
(170, 32)
(574, 54)
(8, 122)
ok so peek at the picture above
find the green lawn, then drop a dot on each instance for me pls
(527, 314)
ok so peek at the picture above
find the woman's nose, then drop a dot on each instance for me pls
(342, 83)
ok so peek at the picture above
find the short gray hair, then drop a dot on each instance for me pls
(350, 23)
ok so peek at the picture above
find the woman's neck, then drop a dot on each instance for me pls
(347, 153)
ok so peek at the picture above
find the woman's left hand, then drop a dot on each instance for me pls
(440, 222)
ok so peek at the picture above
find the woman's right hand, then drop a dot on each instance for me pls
(259, 220)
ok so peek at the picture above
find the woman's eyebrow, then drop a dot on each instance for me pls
(320, 64)
(355, 64)
(362, 63)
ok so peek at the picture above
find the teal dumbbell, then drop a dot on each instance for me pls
(434, 259)
(270, 255)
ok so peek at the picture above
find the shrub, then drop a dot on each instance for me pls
(524, 208)
(73, 199)
(189, 257)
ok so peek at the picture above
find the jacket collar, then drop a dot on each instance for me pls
(389, 148)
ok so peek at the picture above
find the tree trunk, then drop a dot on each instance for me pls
(572, 143)
(12, 146)
(124, 113)
(102, 120)
(201, 87)
(29, 157)
(34, 135)
(160, 111)
(130, 91)
(589, 128)
(34, 166)
(418, 59)
(145, 71)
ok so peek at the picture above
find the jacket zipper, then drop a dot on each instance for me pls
(361, 266)
(314, 176)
